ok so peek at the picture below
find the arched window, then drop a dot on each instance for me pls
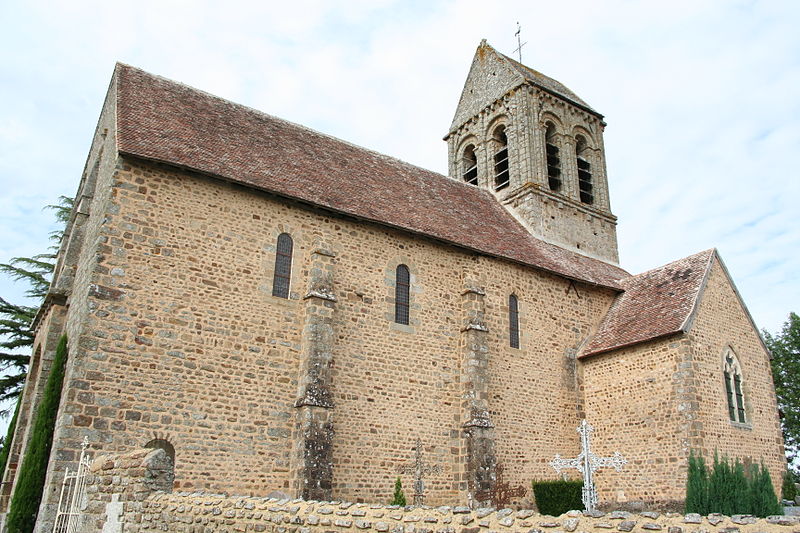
(553, 161)
(283, 266)
(513, 321)
(500, 158)
(469, 165)
(732, 374)
(402, 288)
(584, 170)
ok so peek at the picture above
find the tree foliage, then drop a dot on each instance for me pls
(785, 348)
(399, 498)
(16, 335)
(7, 442)
(697, 485)
(729, 489)
(788, 490)
(30, 479)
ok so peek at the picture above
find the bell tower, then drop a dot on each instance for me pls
(538, 148)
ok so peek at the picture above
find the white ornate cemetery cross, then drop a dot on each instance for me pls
(587, 463)
(419, 470)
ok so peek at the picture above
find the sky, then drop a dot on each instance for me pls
(701, 97)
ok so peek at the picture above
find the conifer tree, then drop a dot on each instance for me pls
(785, 348)
(30, 481)
(764, 501)
(7, 442)
(720, 487)
(697, 485)
(741, 493)
(399, 498)
(16, 336)
(788, 490)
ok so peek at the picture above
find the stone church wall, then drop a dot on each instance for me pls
(534, 391)
(657, 401)
(185, 342)
(634, 401)
(721, 323)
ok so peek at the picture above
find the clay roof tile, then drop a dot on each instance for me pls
(654, 304)
(168, 122)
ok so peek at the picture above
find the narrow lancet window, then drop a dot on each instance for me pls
(553, 161)
(501, 176)
(402, 288)
(732, 374)
(513, 321)
(584, 171)
(469, 163)
(283, 266)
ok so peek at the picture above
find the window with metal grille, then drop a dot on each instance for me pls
(584, 171)
(732, 374)
(283, 266)
(469, 166)
(513, 321)
(553, 161)
(402, 288)
(501, 176)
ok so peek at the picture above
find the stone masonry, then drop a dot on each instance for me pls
(126, 494)
(164, 287)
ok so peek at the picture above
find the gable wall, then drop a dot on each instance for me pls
(183, 341)
(721, 322)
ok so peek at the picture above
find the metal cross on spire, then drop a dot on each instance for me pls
(419, 470)
(587, 463)
(520, 44)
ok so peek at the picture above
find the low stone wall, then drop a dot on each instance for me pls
(130, 493)
(197, 512)
(118, 486)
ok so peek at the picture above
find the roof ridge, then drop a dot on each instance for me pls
(290, 123)
(665, 265)
(171, 122)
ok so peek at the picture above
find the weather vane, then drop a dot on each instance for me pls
(520, 44)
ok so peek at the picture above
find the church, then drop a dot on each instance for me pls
(285, 312)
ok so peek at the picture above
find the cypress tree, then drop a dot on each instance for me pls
(765, 503)
(697, 485)
(741, 501)
(399, 498)
(16, 335)
(7, 442)
(28, 494)
(720, 487)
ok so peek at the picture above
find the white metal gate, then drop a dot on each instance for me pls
(73, 492)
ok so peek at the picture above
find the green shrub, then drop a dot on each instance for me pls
(9, 437)
(729, 490)
(763, 500)
(697, 486)
(557, 497)
(399, 498)
(788, 489)
(30, 484)
(741, 490)
(720, 487)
